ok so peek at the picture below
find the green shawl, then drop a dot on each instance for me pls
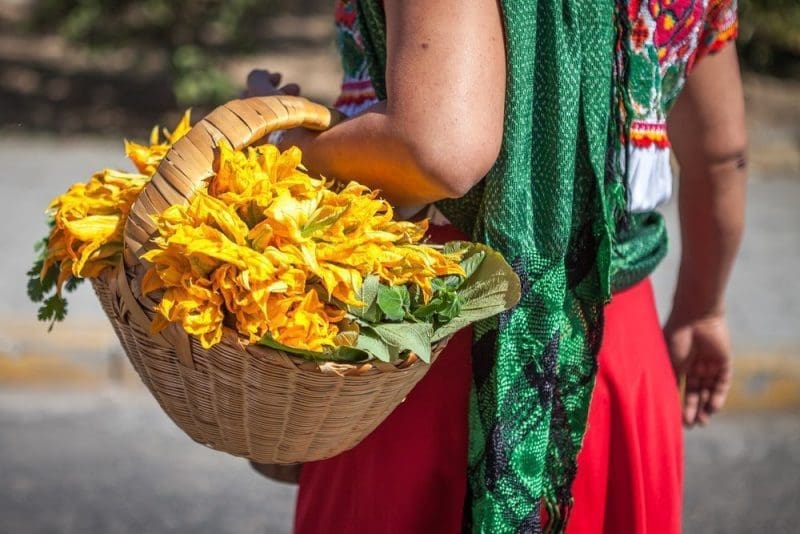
(551, 204)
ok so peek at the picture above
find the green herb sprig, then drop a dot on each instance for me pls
(42, 287)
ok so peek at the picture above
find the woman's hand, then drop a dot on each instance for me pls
(700, 351)
(262, 82)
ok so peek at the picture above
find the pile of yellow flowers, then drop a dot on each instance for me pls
(281, 253)
(88, 220)
(290, 261)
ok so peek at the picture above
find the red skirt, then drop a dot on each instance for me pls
(409, 475)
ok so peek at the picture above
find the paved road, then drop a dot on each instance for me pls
(111, 462)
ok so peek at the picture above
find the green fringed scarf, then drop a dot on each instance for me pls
(551, 205)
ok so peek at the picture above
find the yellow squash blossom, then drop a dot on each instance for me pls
(148, 157)
(197, 307)
(282, 251)
(88, 220)
(303, 322)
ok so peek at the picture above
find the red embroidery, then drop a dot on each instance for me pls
(647, 134)
(640, 34)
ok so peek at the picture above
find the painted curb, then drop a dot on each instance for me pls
(765, 381)
(762, 382)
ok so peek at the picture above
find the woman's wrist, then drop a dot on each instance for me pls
(697, 299)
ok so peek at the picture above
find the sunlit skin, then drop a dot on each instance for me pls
(440, 129)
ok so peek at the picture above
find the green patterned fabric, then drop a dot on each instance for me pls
(551, 205)
(640, 246)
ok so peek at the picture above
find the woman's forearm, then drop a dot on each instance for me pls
(712, 203)
(708, 134)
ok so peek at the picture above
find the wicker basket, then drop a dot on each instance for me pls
(247, 400)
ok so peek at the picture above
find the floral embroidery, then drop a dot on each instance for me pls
(719, 27)
(662, 43)
(675, 22)
(666, 37)
(357, 91)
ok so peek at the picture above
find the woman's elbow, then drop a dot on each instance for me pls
(454, 166)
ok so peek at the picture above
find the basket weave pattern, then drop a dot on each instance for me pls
(247, 400)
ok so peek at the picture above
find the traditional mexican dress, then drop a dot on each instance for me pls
(410, 475)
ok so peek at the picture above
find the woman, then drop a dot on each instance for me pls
(504, 109)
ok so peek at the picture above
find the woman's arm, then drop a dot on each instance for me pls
(440, 129)
(707, 130)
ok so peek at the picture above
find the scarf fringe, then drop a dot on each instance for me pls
(558, 512)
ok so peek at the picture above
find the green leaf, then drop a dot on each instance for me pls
(471, 263)
(39, 247)
(348, 355)
(36, 289)
(369, 290)
(415, 337)
(53, 309)
(451, 308)
(483, 299)
(73, 283)
(446, 283)
(394, 301)
(427, 311)
(39, 286)
(444, 306)
(491, 289)
(36, 269)
(452, 247)
(368, 294)
(371, 342)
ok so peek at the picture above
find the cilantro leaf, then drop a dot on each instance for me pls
(53, 306)
(53, 309)
(36, 289)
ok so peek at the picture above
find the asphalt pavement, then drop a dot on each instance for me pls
(109, 461)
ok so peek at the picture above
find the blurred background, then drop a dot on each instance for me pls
(84, 448)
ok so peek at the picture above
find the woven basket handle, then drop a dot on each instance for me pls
(189, 162)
